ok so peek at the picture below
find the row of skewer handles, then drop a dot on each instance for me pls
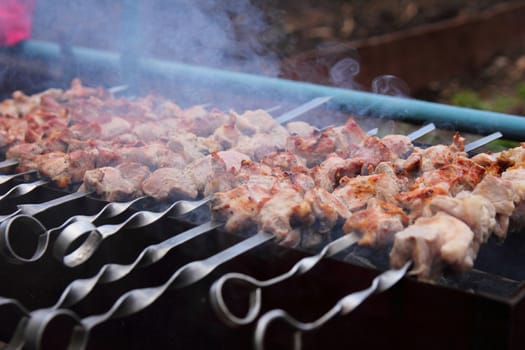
(33, 323)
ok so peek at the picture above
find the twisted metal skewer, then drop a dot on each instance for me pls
(344, 306)
(95, 235)
(44, 236)
(137, 299)
(304, 265)
(22, 189)
(79, 289)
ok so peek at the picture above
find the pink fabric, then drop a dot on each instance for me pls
(15, 20)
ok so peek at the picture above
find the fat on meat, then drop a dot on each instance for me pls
(434, 243)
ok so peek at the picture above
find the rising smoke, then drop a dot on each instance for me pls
(231, 34)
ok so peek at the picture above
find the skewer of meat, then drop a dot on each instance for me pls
(376, 224)
(459, 222)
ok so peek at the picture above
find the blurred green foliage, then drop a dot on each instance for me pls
(499, 103)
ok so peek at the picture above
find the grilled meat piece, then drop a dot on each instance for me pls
(355, 192)
(377, 224)
(116, 183)
(169, 183)
(153, 155)
(474, 210)
(278, 214)
(287, 161)
(239, 207)
(205, 175)
(300, 128)
(433, 243)
(400, 145)
(328, 174)
(500, 194)
(326, 209)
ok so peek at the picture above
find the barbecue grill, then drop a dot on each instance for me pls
(481, 309)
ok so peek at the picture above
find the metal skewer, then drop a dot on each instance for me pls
(482, 141)
(294, 113)
(135, 300)
(95, 235)
(344, 306)
(6, 178)
(44, 236)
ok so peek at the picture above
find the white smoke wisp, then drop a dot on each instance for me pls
(343, 73)
(229, 34)
(390, 85)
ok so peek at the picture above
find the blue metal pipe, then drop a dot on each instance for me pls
(354, 101)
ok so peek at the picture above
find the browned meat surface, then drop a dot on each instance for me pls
(284, 160)
(416, 201)
(376, 224)
(278, 214)
(326, 209)
(355, 192)
(371, 152)
(55, 165)
(239, 208)
(347, 136)
(433, 243)
(328, 174)
(201, 122)
(400, 145)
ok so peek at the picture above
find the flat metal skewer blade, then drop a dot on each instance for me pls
(116, 89)
(482, 141)
(372, 132)
(7, 163)
(414, 135)
(294, 113)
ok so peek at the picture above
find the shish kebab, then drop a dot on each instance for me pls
(63, 134)
(25, 212)
(79, 289)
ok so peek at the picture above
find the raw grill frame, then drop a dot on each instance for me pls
(447, 317)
